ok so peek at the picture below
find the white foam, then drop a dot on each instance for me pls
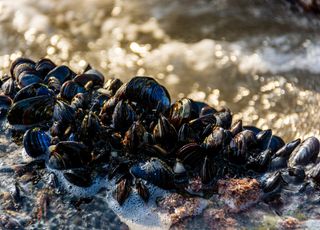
(97, 185)
(136, 213)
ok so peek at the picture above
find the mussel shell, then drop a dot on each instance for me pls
(122, 191)
(236, 128)
(276, 143)
(206, 110)
(287, 149)
(62, 73)
(80, 100)
(123, 116)
(264, 139)
(69, 89)
(254, 129)
(90, 128)
(84, 78)
(112, 85)
(240, 145)
(44, 66)
(305, 153)
(9, 87)
(278, 163)
(36, 142)
(191, 154)
(80, 177)
(63, 113)
(200, 124)
(154, 171)
(186, 134)
(5, 103)
(182, 111)
(208, 171)
(97, 103)
(142, 190)
(180, 175)
(314, 173)
(146, 91)
(217, 140)
(260, 162)
(21, 64)
(164, 133)
(32, 111)
(69, 155)
(33, 90)
(274, 182)
(28, 77)
(224, 118)
(135, 137)
(54, 84)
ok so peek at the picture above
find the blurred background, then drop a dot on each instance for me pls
(259, 58)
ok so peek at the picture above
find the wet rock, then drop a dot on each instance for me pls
(218, 219)
(290, 223)
(179, 207)
(239, 194)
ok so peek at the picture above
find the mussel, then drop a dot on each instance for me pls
(36, 142)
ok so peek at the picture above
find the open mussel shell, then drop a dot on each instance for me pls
(33, 90)
(307, 152)
(36, 142)
(32, 111)
(154, 171)
(69, 155)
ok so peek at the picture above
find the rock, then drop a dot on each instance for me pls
(217, 219)
(290, 223)
(239, 194)
(179, 207)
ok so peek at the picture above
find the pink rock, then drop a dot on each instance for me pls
(239, 194)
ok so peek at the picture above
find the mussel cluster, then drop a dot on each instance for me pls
(131, 133)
